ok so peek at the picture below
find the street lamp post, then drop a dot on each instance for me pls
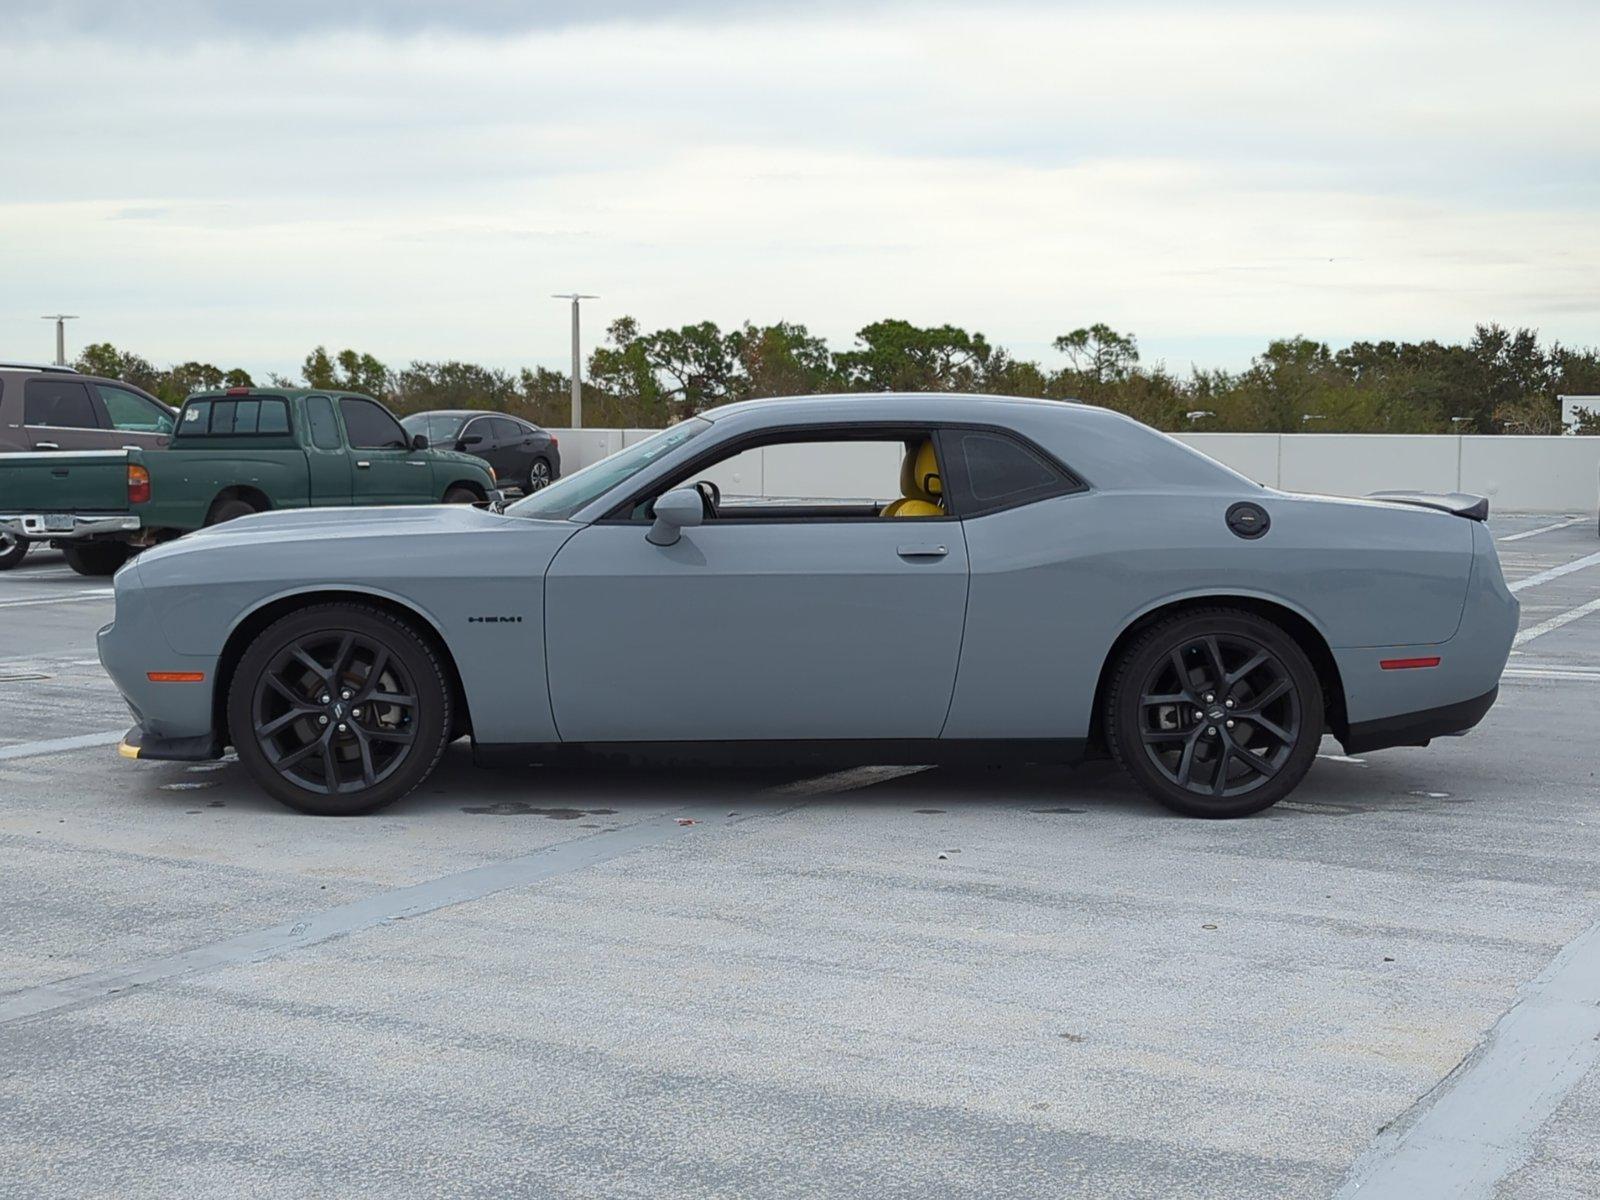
(61, 320)
(577, 355)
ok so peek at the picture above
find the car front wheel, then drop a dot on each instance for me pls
(1215, 713)
(339, 709)
(12, 550)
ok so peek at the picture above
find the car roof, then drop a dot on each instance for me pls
(285, 393)
(468, 412)
(944, 406)
(53, 368)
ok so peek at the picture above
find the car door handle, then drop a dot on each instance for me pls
(362, 466)
(415, 462)
(47, 445)
(927, 550)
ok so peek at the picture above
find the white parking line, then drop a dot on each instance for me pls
(1577, 564)
(1556, 622)
(63, 598)
(82, 741)
(1570, 676)
(1528, 533)
(1476, 1127)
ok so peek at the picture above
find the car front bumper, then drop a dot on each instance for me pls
(38, 527)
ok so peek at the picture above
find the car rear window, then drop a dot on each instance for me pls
(253, 416)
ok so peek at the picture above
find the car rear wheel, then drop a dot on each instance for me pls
(461, 495)
(538, 475)
(1215, 713)
(339, 709)
(230, 509)
(96, 558)
(12, 550)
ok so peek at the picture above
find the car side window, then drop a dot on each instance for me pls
(477, 427)
(324, 429)
(59, 403)
(506, 430)
(132, 412)
(370, 427)
(991, 471)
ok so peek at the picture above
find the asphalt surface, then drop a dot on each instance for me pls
(885, 983)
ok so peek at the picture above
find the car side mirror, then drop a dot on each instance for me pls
(674, 512)
(472, 439)
(419, 441)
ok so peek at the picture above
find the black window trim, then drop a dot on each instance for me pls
(1071, 482)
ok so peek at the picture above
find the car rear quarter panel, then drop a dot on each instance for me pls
(1054, 584)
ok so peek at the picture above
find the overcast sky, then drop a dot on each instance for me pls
(238, 182)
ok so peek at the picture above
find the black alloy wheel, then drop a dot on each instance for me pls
(339, 709)
(1216, 713)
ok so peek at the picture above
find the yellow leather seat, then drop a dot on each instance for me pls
(920, 486)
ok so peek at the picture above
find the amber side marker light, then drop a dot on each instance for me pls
(175, 676)
(1408, 664)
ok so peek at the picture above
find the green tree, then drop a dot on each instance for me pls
(348, 371)
(897, 356)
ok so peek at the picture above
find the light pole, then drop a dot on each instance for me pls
(61, 320)
(577, 355)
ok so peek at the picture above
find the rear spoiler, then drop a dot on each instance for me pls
(1457, 504)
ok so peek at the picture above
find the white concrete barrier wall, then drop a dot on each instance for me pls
(1518, 474)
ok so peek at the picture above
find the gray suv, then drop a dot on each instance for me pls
(56, 408)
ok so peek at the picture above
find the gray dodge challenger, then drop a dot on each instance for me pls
(878, 579)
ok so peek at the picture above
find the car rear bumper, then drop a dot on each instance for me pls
(1418, 728)
(38, 527)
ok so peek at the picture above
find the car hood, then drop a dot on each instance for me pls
(327, 524)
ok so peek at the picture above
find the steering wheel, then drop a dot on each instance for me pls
(710, 497)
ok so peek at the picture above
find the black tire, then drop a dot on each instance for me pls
(96, 558)
(456, 494)
(376, 750)
(1257, 729)
(539, 475)
(12, 550)
(230, 509)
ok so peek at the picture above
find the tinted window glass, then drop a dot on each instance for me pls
(477, 427)
(999, 469)
(324, 429)
(131, 411)
(250, 417)
(370, 427)
(506, 431)
(63, 403)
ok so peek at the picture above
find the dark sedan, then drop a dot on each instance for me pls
(522, 455)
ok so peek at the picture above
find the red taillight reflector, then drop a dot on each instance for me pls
(238, 391)
(175, 676)
(138, 484)
(1407, 664)
(555, 441)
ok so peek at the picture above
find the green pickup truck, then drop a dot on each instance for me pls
(233, 453)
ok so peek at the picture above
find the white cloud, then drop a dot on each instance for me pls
(1201, 178)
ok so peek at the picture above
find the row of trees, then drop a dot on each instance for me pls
(1498, 381)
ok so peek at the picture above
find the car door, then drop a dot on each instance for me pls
(327, 462)
(477, 439)
(756, 630)
(513, 449)
(58, 413)
(386, 470)
(134, 418)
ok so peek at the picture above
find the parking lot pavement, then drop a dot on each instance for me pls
(901, 983)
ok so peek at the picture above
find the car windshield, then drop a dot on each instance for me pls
(439, 428)
(567, 495)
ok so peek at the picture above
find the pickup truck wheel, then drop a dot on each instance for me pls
(229, 510)
(12, 550)
(339, 709)
(461, 495)
(96, 558)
